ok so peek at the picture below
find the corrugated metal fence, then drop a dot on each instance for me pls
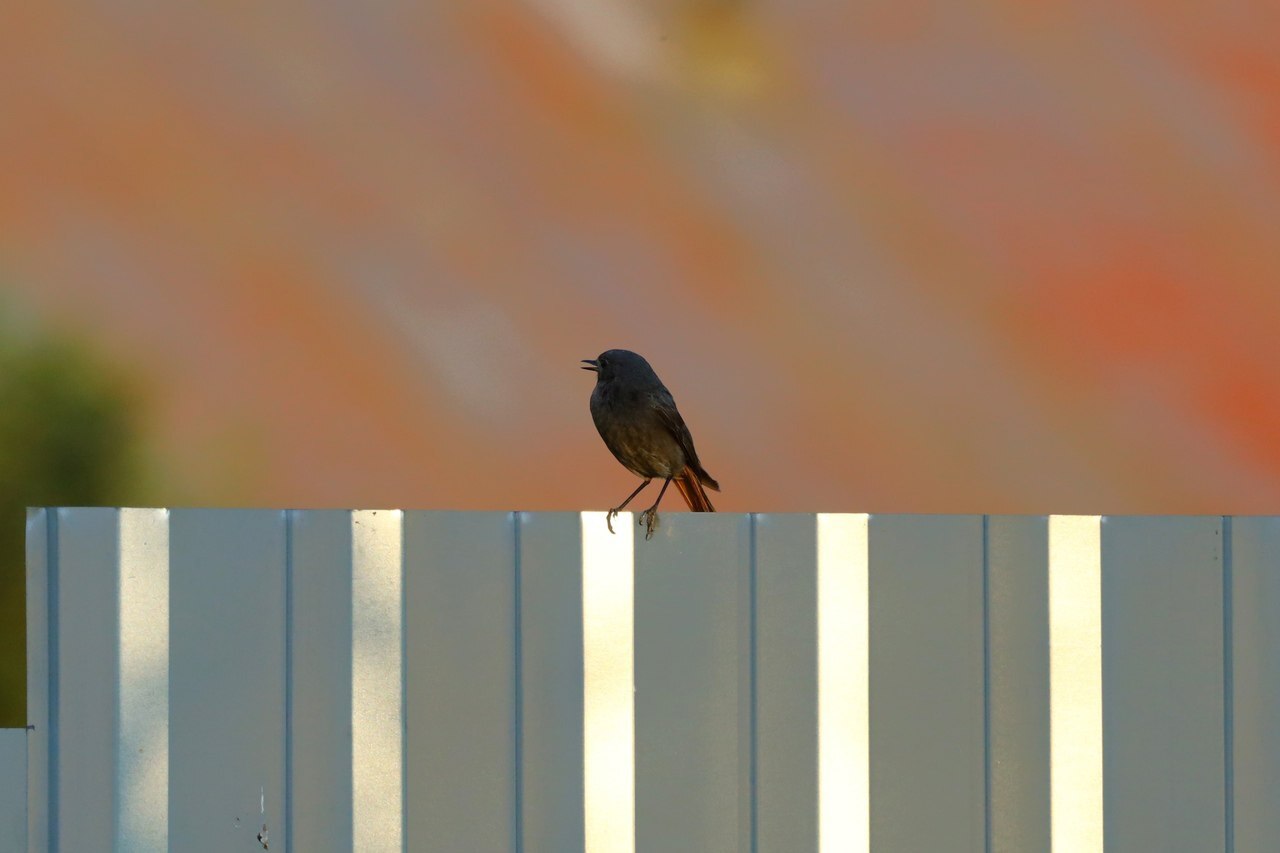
(376, 680)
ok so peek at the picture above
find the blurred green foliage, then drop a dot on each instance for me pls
(69, 436)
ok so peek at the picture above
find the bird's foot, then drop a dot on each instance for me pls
(608, 519)
(649, 518)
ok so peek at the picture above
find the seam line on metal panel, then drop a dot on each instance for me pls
(1228, 687)
(403, 608)
(288, 678)
(518, 686)
(51, 620)
(753, 722)
(117, 794)
(986, 682)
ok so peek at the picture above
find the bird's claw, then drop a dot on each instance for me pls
(649, 518)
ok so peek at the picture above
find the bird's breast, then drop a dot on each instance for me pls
(635, 434)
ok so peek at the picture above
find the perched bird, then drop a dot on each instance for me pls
(638, 420)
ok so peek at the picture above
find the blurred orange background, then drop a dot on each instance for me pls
(904, 256)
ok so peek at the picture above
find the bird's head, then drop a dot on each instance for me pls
(617, 362)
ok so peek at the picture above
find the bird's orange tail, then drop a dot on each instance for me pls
(690, 486)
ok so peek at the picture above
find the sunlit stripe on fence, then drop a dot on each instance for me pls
(143, 763)
(377, 697)
(608, 683)
(1075, 683)
(844, 817)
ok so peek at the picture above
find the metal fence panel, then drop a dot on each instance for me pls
(379, 680)
(226, 678)
(13, 789)
(551, 688)
(83, 682)
(41, 745)
(1163, 684)
(693, 699)
(320, 678)
(786, 683)
(1018, 683)
(1253, 736)
(927, 696)
(460, 681)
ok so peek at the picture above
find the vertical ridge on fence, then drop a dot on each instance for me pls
(987, 694)
(287, 817)
(1255, 683)
(41, 565)
(751, 676)
(517, 686)
(1228, 688)
(1017, 610)
(1162, 683)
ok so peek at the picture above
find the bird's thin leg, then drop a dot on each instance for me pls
(608, 519)
(649, 518)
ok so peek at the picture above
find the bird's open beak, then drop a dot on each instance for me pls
(591, 365)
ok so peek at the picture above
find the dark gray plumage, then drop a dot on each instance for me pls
(638, 420)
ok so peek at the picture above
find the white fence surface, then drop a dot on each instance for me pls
(223, 680)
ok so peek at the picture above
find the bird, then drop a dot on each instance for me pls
(637, 417)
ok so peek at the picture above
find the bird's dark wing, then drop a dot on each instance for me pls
(669, 416)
